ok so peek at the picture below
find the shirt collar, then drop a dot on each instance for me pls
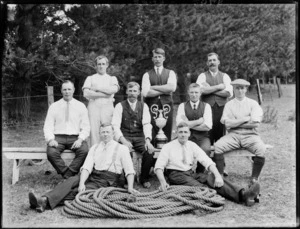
(160, 68)
(213, 73)
(192, 103)
(130, 103)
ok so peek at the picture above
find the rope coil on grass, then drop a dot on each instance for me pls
(114, 202)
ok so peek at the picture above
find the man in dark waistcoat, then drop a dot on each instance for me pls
(216, 91)
(198, 116)
(132, 125)
(158, 85)
(103, 167)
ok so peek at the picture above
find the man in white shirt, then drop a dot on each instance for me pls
(158, 85)
(103, 167)
(241, 117)
(176, 158)
(132, 125)
(100, 89)
(67, 127)
(216, 90)
(198, 116)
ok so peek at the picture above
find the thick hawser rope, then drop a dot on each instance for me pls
(118, 203)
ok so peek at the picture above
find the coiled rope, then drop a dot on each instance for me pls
(118, 203)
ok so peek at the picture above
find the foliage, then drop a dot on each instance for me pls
(48, 43)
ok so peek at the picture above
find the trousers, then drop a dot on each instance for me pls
(68, 189)
(229, 190)
(218, 129)
(54, 155)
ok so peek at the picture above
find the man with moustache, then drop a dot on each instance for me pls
(158, 84)
(216, 89)
(103, 167)
(132, 125)
(67, 127)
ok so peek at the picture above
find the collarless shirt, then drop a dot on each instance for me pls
(170, 156)
(100, 157)
(117, 120)
(236, 109)
(96, 81)
(78, 120)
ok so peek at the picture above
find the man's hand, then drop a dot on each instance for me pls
(149, 147)
(77, 143)
(53, 143)
(133, 191)
(81, 188)
(128, 144)
(221, 86)
(218, 181)
(164, 187)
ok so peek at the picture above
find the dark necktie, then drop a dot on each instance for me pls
(194, 106)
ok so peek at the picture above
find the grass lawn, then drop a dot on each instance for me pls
(277, 207)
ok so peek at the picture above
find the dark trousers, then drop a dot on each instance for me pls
(229, 190)
(168, 127)
(148, 161)
(68, 189)
(218, 129)
(54, 155)
(204, 143)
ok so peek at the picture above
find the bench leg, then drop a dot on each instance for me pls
(16, 171)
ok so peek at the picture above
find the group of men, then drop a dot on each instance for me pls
(200, 122)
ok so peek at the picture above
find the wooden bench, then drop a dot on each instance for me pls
(19, 154)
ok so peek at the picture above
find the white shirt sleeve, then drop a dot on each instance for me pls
(180, 112)
(162, 159)
(147, 127)
(117, 120)
(256, 112)
(227, 114)
(201, 156)
(126, 160)
(228, 86)
(172, 79)
(207, 116)
(89, 160)
(84, 124)
(201, 79)
(49, 124)
(145, 84)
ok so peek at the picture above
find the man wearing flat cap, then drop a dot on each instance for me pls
(241, 117)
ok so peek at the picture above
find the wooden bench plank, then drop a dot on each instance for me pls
(21, 153)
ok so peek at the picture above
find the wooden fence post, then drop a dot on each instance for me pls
(259, 95)
(50, 95)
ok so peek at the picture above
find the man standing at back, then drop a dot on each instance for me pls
(158, 85)
(216, 89)
(66, 127)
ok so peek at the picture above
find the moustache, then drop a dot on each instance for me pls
(211, 65)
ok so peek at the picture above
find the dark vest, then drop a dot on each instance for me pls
(192, 114)
(156, 80)
(211, 99)
(131, 124)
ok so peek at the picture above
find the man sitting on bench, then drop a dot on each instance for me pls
(241, 117)
(132, 125)
(103, 167)
(66, 127)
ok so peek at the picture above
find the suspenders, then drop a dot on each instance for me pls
(114, 157)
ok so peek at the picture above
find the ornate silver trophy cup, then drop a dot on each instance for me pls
(160, 121)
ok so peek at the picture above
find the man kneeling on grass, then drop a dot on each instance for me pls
(103, 167)
(177, 158)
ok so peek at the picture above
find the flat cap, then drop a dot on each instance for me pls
(240, 82)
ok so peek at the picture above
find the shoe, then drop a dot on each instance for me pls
(225, 174)
(147, 185)
(38, 203)
(251, 194)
